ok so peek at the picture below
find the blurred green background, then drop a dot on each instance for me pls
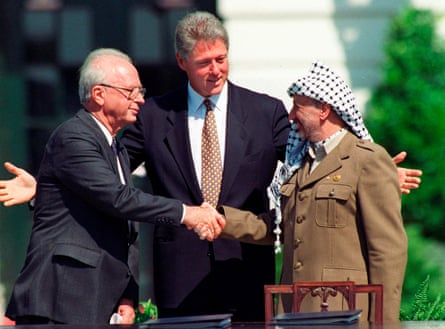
(407, 112)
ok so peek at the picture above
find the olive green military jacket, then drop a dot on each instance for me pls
(341, 222)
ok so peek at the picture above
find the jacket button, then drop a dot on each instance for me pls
(297, 242)
(298, 266)
(301, 196)
(300, 219)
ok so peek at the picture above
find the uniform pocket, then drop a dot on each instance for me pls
(329, 202)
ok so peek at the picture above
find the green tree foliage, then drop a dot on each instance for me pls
(407, 112)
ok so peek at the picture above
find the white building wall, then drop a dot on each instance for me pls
(272, 42)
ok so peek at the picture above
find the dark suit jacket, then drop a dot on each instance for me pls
(256, 136)
(82, 254)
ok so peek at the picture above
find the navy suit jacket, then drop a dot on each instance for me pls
(256, 136)
(82, 254)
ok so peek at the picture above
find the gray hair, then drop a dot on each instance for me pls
(91, 75)
(199, 25)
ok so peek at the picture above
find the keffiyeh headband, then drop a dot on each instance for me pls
(325, 86)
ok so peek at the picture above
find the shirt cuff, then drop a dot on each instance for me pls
(183, 213)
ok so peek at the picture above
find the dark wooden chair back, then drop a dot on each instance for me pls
(323, 290)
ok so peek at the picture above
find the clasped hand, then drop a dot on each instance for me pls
(205, 221)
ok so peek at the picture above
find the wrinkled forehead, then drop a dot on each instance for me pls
(303, 100)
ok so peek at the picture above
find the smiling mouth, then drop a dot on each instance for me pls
(214, 79)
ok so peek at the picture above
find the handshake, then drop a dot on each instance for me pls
(205, 221)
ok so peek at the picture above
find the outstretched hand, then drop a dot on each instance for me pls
(409, 179)
(19, 189)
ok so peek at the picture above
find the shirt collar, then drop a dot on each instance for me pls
(320, 149)
(104, 129)
(195, 100)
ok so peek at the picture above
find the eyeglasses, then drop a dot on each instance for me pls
(134, 92)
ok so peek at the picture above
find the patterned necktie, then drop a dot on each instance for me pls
(211, 175)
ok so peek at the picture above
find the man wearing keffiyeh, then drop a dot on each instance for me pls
(337, 199)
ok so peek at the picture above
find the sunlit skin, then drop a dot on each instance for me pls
(311, 119)
(126, 311)
(311, 116)
(111, 106)
(207, 67)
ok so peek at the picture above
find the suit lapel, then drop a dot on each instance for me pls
(236, 141)
(332, 162)
(175, 136)
(87, 119)
(110, 157)
(125, 163)
(108, 153)
(303, 172)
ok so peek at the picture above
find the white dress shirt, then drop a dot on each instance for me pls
(196, 117)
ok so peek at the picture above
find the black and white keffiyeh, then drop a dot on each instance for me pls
(325, 86)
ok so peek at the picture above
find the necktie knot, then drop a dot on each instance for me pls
(208, 104)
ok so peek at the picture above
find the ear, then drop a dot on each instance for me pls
(325, 111)
(180, 62)
(98, 94)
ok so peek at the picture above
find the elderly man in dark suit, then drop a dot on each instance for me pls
(193, 276)
(82, 258)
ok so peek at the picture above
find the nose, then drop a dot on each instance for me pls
(140, 99)
(214, 67)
